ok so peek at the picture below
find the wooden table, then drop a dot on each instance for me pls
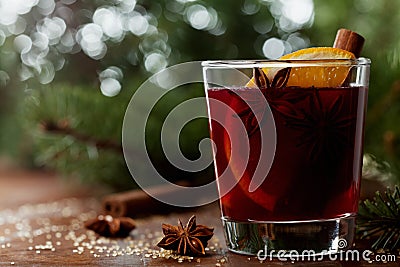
(41, 224)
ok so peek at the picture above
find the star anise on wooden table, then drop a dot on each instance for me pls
(108, 226)
(186, 240)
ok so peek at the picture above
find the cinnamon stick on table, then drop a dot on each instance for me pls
(135, 202)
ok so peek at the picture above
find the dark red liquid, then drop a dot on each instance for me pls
(316, 171)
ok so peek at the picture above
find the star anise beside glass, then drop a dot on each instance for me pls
(186, 240)
(108, 226)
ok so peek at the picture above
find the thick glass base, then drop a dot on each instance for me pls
(318, 237)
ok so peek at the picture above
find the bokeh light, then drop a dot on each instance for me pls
(111, 72)
(110, 87)
(201, 18)
(22, 43)
(90, 38)
(60, 28)
(250, 7)
(273, 48)
(155, 62)
(110, 21)
(18, 27)
(53, 29)
(67, 42)
(137, 24)
(10, 10)
(292, 15)
(46, 7)
(110, 81)
(127, 6)
(299, 12)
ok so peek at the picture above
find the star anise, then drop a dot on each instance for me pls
(189, 240)
(279, 80)
(257, 105)
(324, 128)
(106, 225)
(278, 100)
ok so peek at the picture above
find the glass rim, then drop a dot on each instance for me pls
(248, 63)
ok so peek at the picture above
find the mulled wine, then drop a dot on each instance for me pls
(316, 170)
(288, 146)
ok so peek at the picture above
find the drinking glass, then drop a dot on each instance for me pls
(287, 142)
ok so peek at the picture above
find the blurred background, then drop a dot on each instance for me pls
(69, 68)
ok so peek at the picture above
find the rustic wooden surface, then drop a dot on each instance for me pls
(41, 224)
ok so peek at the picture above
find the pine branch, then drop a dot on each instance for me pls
(380, 219)
(62, 127)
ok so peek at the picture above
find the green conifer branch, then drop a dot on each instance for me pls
(379, 219)
(62, 128)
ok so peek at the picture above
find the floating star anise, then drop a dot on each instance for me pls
(255, 103)
(280, 79)
(108, 226)
(278, 100)
(258, 105)
(189, 240)
(325, 129)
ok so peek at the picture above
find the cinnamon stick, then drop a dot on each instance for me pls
(350, 41)
(137, 202)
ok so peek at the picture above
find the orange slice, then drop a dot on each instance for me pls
(317, 76)
(319, 53)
